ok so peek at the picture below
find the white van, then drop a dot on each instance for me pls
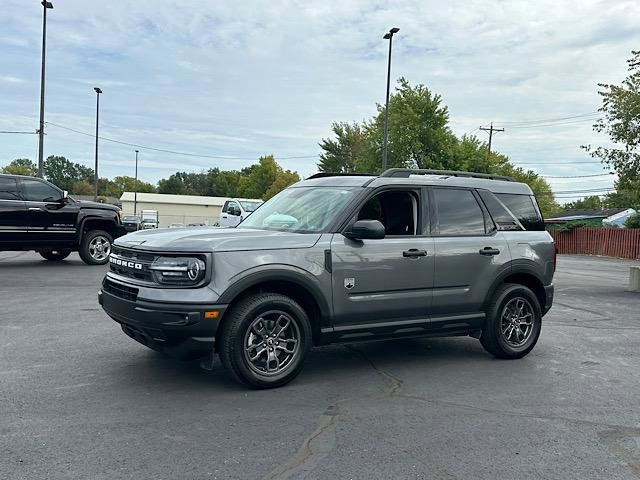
(237, 209)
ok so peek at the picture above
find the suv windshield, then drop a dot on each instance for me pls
(250, 206)
(301, 210)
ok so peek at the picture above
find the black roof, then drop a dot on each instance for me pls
(587, 212)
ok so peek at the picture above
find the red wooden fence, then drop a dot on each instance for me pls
(610, 242)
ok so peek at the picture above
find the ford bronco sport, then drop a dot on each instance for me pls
(338, 258)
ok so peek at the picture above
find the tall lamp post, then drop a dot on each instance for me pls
(135, 189)
(45, 6)
(98, 92)
(387, 36)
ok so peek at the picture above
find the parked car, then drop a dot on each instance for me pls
(341, 259)
(197, 225)
(176, 225)
(236, 210)
(148, 223)
(37, 215)
(131, 223)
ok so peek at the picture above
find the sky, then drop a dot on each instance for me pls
(231, 81)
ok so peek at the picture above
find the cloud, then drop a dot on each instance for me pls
(10, 79)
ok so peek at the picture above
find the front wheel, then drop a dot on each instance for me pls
(264, 340)
(55, 255)
(513, 322)
(95, 247)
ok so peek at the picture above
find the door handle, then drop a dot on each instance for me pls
(414, 253)
(35, 209)
(489, 251)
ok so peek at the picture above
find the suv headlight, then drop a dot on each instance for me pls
(179, 271)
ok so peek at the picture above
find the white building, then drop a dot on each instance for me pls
(176, 208)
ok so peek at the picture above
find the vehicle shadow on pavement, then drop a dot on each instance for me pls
(329, 364)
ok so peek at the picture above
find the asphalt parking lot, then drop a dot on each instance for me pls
(79, 399)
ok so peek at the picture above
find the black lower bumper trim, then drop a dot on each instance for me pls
(179, 330)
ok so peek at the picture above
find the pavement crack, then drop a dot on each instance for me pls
(314, 444)
(396, 383)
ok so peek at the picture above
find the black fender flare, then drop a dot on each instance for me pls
(266, 273)
(522, 266)
(88, 217)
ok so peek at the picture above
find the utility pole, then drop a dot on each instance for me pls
(387, 36)
(45, 6)
(491, 129)
(135, 189)
(98, 92)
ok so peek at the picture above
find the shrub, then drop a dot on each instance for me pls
(633, 221)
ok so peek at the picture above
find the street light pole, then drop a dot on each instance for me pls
(135, 189)
(45, 6)
(387, 36)
(98, 92)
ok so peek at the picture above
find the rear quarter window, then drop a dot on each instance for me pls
(524, 208)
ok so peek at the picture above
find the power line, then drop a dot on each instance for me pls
(491, 129)
(578, 176)
(547, 120)
(559, 164)
(26, 133)
(173, 152)
(559, 124)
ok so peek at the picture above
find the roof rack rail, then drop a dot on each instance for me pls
(406, 172)
(331, 174)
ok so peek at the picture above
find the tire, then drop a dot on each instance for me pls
(95, 247)
(244, 336)
(507, 333)
(54, 255)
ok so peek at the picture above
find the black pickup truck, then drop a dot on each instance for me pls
(37, 215)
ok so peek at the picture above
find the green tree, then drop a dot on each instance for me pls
(621, 122)
(633, 221)
(64, 173)
(419, 135)
(124, 183)
(283, 179)
(627, 194)
(349, 152)
(225, 184)
(588, 203)
(21, 166)
(81, 187)
(259, 177)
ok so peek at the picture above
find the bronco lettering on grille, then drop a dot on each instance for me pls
(125, 263)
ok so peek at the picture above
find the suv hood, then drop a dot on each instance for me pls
(216, 239)
(101, 206)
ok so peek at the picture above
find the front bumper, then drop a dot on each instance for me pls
(180, 330)
(548, 297)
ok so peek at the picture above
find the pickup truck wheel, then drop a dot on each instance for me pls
(264, 340)
(54, 255)
(513, 322)
(95, 247)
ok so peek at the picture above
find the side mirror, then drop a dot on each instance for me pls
(366, 230)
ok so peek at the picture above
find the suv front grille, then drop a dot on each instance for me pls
(121, 291)
(131, 263)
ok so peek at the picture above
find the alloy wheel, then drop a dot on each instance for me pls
(516, 323)
(272, 343)
(99, 248)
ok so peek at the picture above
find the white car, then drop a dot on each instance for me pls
(236, 210)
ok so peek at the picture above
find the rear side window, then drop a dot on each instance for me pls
(9, 189)
(504, 220)
(458, 212)
(524, 208)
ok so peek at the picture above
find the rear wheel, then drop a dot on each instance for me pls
(264, 340)
(95, 247)
(55, 255)
(513, 322)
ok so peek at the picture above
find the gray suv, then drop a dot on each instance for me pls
(341, 258)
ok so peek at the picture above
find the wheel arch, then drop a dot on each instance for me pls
(97, 223)
(287, 281)
(522, 275)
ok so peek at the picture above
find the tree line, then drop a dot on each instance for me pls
(261, 180)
